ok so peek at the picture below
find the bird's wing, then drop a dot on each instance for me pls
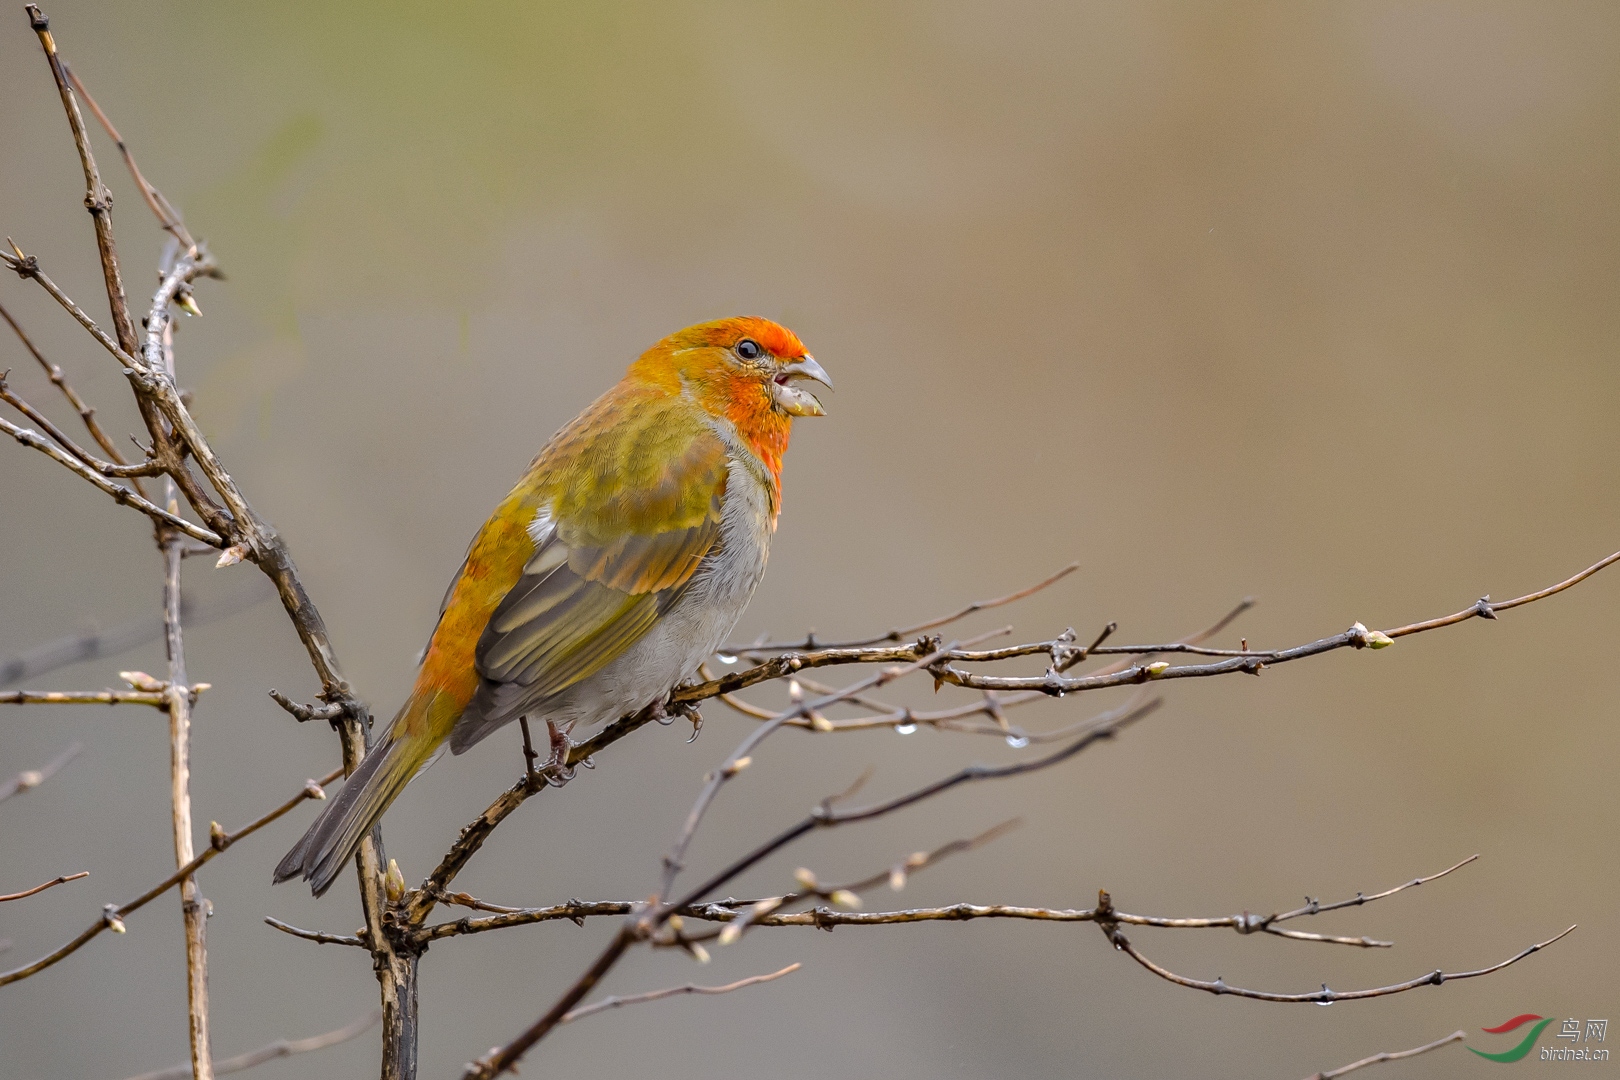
(612, 554)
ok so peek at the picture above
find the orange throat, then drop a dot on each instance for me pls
(766, 433)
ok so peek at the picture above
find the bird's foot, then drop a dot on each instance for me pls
(667, 712)
(556, 771)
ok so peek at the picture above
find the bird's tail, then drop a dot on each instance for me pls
(336, 834)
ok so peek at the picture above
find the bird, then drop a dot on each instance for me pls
(621, 560)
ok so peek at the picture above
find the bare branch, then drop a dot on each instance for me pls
(1484, 609)
(1313, 907)
(304, 713)
(113, 915)
(87, 414)
(578, 911)
(640, 928)
(739, 757)
(672, 991)
(158, 699)
(29, 779)
(769, 911)
(168, 217)
(97, 199)
(906, 632)
(105, 468)
(1357, 637)
(1397, 1055)
(315, 935)
(120, 494)
(47, 885)
(420, 902)
(1323, 996)
(27, 266)
(193, 907)
(824, 817)
(279, 1049)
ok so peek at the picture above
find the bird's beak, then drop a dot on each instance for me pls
(791, 399)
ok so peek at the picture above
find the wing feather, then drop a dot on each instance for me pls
(586, 596)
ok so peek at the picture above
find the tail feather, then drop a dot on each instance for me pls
(336, 834)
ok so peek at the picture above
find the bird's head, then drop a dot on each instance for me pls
(745, 369)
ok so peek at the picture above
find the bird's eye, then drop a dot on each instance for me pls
(749, 349)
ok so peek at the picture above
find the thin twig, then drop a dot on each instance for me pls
(672, 991)
(112, 917)
(903, 633)
(106, 468)
(167, 215)
(579, 910)
(1484, 609)
(1396, 1055)
(641, 927)
(304, 713)
(97, 199)
(315, 935)
(824, 816)
(1357, 637)
(86, 412)
(421, 901)
(120, 494)
(156, 699)
(1313, 907)
(279, 1049)
(1323, 996)
(29, 779)
(55, 881)
(739, 757)
(27, 266)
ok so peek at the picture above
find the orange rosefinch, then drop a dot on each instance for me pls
(620, 561)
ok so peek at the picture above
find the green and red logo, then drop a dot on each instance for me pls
(1527, 1044)
(1573, 1041)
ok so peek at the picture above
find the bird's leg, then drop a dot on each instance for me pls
(556, 771)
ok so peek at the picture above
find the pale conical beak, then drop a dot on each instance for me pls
(794, 401)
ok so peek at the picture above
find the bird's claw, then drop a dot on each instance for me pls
(667, 712)
(556, 771)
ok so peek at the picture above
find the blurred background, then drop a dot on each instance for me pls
(1310, 302)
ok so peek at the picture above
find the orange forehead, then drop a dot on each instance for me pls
(776, 339)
